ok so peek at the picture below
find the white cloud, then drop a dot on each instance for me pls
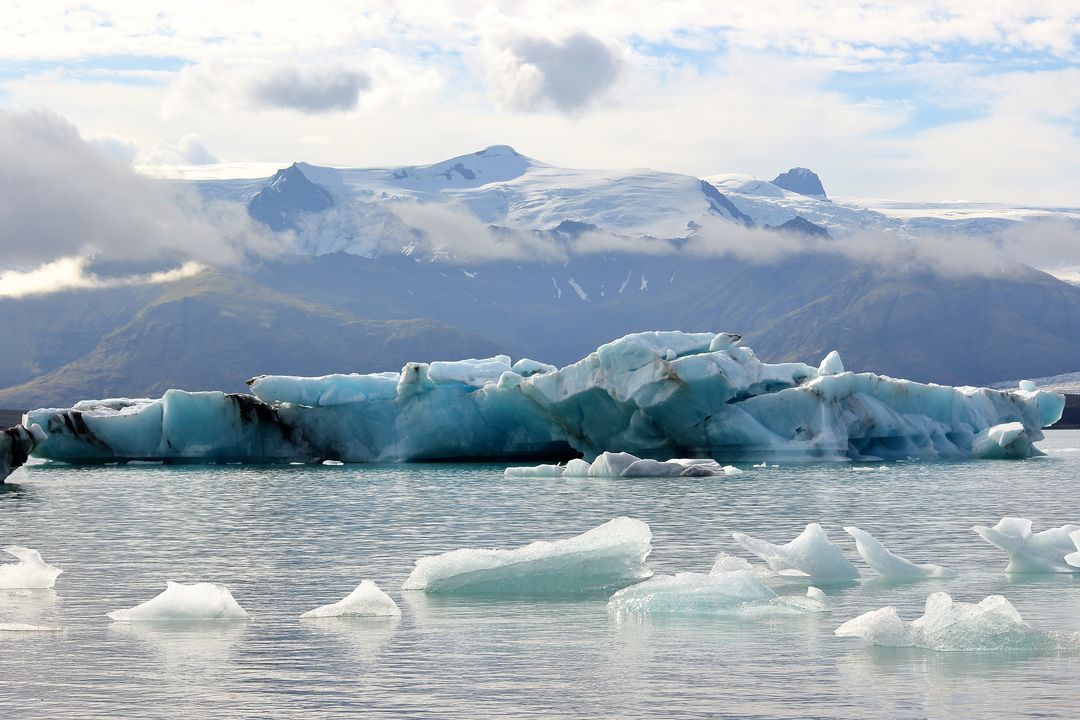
(189, 150)
(70, 273)
(309, 89)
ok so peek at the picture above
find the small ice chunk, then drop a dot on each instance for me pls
(1028, 386)
(811, 553)
(24, 628)
(831, 364)
(367, 600)
(888, 563)
(605, 558)
(610, 464)
(31, 572)
(535, 471)
(1031, 552)
(737, 592)
(576, 468)
(1073, 558)
(332, 462)
(948, 626)
(197, 601)
(724, 341)
(1004, 441)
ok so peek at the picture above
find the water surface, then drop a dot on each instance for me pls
(287, 539)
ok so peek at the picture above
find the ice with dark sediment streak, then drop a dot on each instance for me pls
(16, 444)
(603, 559)
(810, 554)
(367, 600)
(990, 625)
(626, 465)
(735, 592)
(183, 602)
(655, 395)
(890, 564)
(31, 572)
(1031, 552)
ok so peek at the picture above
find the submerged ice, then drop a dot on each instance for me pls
(31, 572)
(949, 626)
(182, 602)
(655, 395)
(603, 559)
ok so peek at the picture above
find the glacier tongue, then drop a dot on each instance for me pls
(658, 395)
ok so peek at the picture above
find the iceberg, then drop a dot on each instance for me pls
(628, 466)
(654, 395)
(948, 626)
(1041, 552)
(810, 554)
(888, 563)
(30, 573)
(603, 559)
(181, 602)
(367, 600)
(737, 592)
(16, 444)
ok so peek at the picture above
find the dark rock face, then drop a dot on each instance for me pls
(802, 226)
(720, 204)
(801, 180)
(16, 444)
(287, 196)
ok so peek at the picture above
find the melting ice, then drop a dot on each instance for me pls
(181, 602)
(31, 572)
(811, 554)
(1030, 552)
(890, 564)
(367, 600)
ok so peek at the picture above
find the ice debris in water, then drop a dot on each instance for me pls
(1030, 552)
(890, 564)
(31, 572)
(605, 558)
(810, 554)
(1073, 558)
(367, 600)
(25, 628)
(197, 601)
(948, 626)
(625, 465)
(735, 592)
(653, 394)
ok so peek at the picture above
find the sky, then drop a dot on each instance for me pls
(922, 100)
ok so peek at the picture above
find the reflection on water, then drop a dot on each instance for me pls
(285, 539)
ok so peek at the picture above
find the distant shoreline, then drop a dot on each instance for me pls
(10, 418)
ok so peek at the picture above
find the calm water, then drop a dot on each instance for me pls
(288, 539)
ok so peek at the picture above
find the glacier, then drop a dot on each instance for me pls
(658, 395)
(185, 602)
(367, 600)
(948, 626)
(606, 558)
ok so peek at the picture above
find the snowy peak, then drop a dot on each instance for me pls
(287, 195)
(801, 226)
(719, 203)
(497, 163)
(801, 180)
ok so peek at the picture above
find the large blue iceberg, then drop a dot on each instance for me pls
(658, 395)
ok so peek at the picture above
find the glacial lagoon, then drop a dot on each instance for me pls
(286, 539)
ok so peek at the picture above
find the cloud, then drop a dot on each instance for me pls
(64, 198)
(536, 73)
(70, 273)
(189, 150)
(309, 89)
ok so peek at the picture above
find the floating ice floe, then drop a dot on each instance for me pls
(31, 572)
(16, 444)
(26, 628)
(890, 564)
(811, 554)
(367, 600)
(947, 626)
(605, 558)
(654, 394)
(609, 464)
(181, 602)
(1030, 552)
(736, 592)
